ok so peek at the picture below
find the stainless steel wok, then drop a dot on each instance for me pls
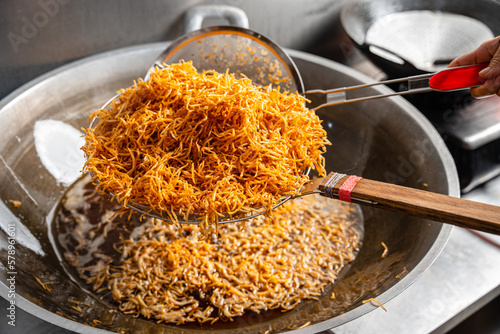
(40, 123)
(406, 38)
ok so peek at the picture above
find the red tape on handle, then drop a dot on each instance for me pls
(346, 189)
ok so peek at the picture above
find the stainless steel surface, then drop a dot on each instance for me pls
(376, 143)
(41, 35)
(472, 132)
(475, 124)
(471, 129)
(464, 278)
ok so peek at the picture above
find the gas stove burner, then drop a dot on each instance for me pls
(471, 131)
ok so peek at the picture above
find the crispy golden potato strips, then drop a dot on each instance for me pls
(210, 143)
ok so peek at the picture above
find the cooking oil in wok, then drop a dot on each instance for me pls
(88, 231)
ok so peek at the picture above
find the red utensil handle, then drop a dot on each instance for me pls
(457, 78)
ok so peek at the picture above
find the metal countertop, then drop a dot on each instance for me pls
(464, 278)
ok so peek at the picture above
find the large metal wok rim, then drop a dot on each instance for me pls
(439, 243)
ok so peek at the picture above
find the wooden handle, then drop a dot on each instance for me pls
(419, 203)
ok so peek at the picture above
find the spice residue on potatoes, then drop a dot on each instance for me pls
(186, 142)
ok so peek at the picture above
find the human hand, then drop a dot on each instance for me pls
(488, 52)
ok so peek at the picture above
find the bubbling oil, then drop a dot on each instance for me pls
(97, 243)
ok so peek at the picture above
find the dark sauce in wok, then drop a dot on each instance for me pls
(86, 232)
